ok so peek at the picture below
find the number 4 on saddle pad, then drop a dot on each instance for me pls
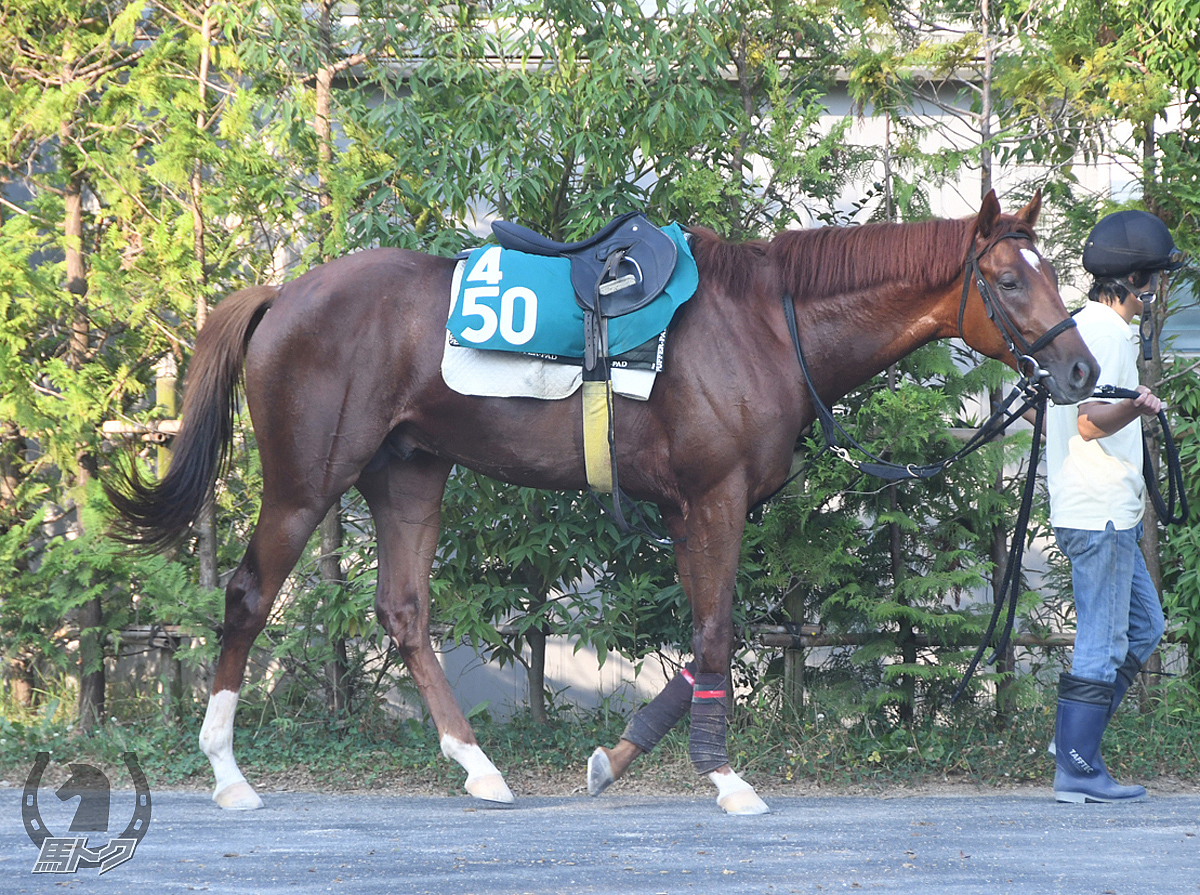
(515, 301)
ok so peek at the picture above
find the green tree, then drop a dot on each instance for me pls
(73, 130)
(106, 267)
(891, 565)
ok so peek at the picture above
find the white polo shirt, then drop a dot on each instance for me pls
(1096, 482)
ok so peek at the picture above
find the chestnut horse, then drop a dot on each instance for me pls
(342, 378)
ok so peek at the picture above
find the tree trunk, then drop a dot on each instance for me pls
(908, 646)
(536, 675)
(336, 672)
(206, 524)
(737, 160)
(91, 613)
(20, 680)
(331, 526)
(12, 461)
(323, 120)
(1150, 374)
(793, 658)
(91, 666)
(985, 100)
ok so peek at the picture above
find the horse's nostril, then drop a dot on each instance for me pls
(1080, 373)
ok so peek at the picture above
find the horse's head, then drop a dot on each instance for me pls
(1011, 309)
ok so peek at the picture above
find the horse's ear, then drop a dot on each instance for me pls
(1029, 214)
(988, 212)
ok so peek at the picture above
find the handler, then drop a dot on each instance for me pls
(1094, 458)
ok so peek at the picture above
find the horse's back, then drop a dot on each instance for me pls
(351, 309)
(384, 280)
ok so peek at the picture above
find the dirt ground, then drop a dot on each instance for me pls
(649, 780)
(653, 775)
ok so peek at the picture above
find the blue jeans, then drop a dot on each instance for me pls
(1117, 610)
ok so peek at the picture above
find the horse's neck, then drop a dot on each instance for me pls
(857, 336)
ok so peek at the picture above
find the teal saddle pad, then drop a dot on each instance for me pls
(513, 301)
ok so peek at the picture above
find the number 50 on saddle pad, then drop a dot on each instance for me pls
(507, 300)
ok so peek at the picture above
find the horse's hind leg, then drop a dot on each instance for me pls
(276, 545)
(405, 498)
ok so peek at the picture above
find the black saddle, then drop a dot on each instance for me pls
(621, 268)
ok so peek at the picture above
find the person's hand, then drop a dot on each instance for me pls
(1146, 403)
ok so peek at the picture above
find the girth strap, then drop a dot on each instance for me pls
(597, 455)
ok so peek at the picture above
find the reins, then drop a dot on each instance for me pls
(1030, 388)
(1175, 484)
(1011, 584)
(1032, 394)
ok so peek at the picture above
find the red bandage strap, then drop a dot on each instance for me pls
(705, 694)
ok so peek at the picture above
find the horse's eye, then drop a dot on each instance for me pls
(1009, 283)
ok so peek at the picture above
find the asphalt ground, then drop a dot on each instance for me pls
(305, 842)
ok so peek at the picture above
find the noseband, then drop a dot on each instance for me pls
(1017, 344)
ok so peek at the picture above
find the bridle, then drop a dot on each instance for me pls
(1018, 345)
(1032, 391)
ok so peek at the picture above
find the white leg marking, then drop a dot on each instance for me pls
(216, 740)
(599, 773)
(484, 781)
(1032, 258)
(736, 796)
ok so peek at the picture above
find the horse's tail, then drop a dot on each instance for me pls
(158, 515)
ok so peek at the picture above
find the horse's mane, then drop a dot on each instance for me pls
(834, 260)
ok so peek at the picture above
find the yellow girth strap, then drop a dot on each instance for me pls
(596, 454)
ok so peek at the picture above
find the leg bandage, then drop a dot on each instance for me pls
(710, 704)
(652, 721)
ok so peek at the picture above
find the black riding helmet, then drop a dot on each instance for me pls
(1128, 241)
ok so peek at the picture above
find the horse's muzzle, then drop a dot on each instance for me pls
(1071, 382)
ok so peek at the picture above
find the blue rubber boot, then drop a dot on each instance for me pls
(1083, 712)
(1126, 675)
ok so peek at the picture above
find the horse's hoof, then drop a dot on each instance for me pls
(736, 796)
(743, 803)
(238, 796)
(490, 788)
(599, 774)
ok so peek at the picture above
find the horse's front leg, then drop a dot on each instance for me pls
(655, 719)
(643, 732)
(405, 500)
(708, 562)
